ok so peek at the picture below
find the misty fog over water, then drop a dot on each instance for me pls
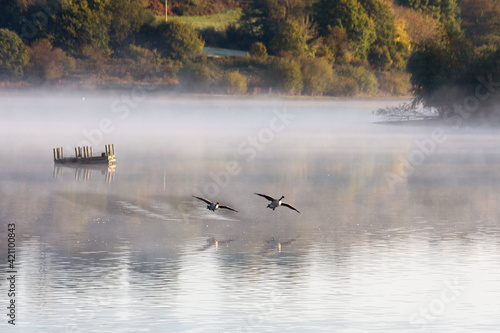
(398, 227)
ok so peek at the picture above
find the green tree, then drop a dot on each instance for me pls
(317, 75)
(81, 27)
(391, 47)
(349, 15)
(261, 19)
(13, 54)
(146, 61)
(258, 51)
(335, 46)
(126, 18)
(362, 80)
(196, 76)
(289, 38)
(437, 69)
(176, 40)
(10, 15)
(446, 11)
(235, 82)
(286, 75)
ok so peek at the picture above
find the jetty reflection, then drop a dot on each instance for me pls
(85, 172)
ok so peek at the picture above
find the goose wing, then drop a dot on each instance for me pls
(227, 207)
(268, 197)
(203, 199)
(289, 206)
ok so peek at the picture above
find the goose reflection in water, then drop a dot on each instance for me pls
(214, 242)
(272, 243)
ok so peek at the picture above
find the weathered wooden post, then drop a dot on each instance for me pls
(91, 153)
(76, 153)
(54, 151)
(113, 146)
(58, 153)
(62, 155)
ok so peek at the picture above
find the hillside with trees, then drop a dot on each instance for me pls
(433, 49)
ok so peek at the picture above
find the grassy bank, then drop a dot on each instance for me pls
(217, 21)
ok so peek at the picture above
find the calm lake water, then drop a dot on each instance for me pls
(399, 228)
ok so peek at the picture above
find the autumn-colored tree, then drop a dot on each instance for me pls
(418, 25)
(47, 62)
(481, 20)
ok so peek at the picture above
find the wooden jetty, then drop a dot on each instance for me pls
(84, 155)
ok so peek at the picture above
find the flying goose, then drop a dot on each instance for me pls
(277, 202)
(214, 206)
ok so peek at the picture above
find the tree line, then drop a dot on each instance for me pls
(435, 49)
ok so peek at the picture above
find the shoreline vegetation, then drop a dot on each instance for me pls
(445, 54)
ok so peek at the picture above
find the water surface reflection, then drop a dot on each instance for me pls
(140, 254)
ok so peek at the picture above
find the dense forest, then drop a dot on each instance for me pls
(444, 52)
